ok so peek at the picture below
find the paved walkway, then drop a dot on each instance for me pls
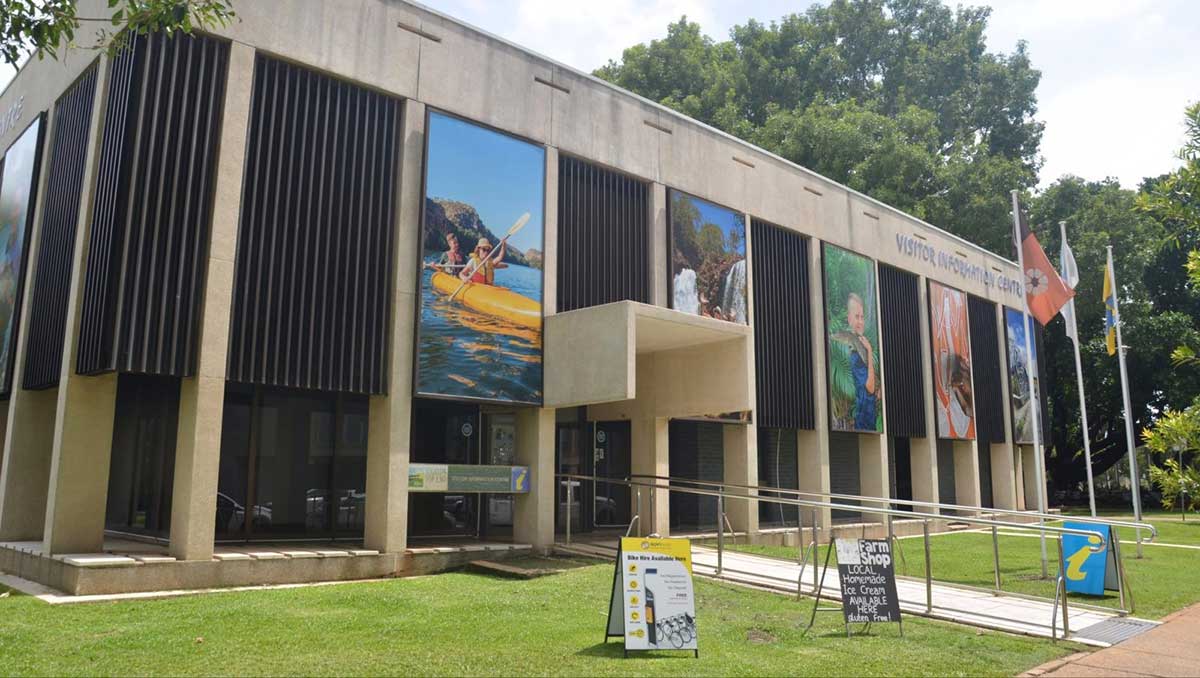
(1167, 650)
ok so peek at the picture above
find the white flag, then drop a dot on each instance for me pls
(1070, 275)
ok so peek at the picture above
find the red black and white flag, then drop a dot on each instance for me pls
(1045, 291)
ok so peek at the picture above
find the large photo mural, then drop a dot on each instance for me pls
(708, 259)
(950, 333)
(16, 197)
(480, 328)
(852, 342)
(1018, 376)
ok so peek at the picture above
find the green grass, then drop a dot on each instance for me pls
(1171, 529)
(1163, 581)
(468, 624)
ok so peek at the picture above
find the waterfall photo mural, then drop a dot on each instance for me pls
(480, 323)
(708, 259)
(950, 335)
(852, 342)
(1018, 375)
(20, 171)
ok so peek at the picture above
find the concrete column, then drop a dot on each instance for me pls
(550, 236)
(659, 256)
(1004, 486)
(81, 447)
(741, 468)
(924, 450)
(533, 513)
(813, 446)
(202, 397)
(651, 457)
(966, 472)
(874, 479)
(25, 465)
(390, 416)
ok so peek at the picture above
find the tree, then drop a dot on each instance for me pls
(899, 99)
(1176, 432)
(45, 27)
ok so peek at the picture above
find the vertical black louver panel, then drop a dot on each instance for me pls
(985, 369)
(314, 257)
(903, 357)
(603, 236)
(782, 327)
(153, 206)
(60, 216)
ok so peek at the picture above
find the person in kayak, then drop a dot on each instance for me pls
(482, 267)
(452, 259)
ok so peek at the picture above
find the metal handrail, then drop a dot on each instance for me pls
(908, 502)
(1096, 541)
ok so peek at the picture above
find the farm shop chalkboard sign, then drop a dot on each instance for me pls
(867, 575)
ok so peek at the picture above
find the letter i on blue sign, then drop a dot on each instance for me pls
(1085, 570)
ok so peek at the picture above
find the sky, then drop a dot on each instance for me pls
(1116, 74)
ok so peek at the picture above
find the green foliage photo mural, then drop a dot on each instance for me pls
(852, 333)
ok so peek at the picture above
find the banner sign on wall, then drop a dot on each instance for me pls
(480, 325)
(867, 576)
(852, 342)
(468, 478)
(1018, 376)
(951, 337)
(653, 604)
(708, 259)
(16, 211)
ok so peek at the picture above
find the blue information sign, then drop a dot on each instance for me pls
(1086, 571)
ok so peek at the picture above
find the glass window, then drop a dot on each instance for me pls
(142, 471)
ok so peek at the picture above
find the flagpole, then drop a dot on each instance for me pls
(1134, 478)
(1073, 332)
(1034, 400)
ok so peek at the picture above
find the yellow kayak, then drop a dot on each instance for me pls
(491, 300)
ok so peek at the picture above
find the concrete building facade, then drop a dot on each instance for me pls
(228, 331)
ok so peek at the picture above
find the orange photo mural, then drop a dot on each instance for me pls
(951, 363)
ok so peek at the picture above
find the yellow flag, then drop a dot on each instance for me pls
(1110, 312)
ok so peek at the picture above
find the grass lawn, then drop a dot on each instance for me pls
(1165, 580)
(1171, 529)
(470, 624)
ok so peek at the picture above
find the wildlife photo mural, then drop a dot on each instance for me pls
(951, 338)
(852, 342)
(481, 278)
(708, 259)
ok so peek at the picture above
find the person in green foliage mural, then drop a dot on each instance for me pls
(855, 381)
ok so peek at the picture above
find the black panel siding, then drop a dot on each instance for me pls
(153, 207)
(60, 216)
(314, 257)
(603, 236)
(903, 357)
(778, 461)
(986, 372)
(783, 359)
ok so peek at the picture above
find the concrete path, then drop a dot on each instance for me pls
(951, 603)
(1170, 649)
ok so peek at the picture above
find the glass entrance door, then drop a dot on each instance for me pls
(500, 450)
(444, 433)
(611, 443)
(570, 445)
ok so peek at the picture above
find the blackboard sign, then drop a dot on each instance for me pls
(867, 576)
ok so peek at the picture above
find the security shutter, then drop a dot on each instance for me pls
(844, 472)
(697, 452)
(777, 467)
(985, 475)
(945, 462)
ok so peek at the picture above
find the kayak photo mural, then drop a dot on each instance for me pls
(951, 339)
(708, 259)
(1018, 375)
(480, 326)
(852, 342)
(16, 192)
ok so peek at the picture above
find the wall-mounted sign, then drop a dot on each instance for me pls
(468, 478)
(918, 249)
(852, 342)
(952, 383)
(867, 576)
(653, 604)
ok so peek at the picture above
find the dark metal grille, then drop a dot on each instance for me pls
(783, 357)
(986, 372)
(60, 216)
(903, 357)
(603, 236)
(153, 207)
(314, 260)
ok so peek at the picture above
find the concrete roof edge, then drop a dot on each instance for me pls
(709, 128)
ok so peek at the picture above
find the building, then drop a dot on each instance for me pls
(234, 314)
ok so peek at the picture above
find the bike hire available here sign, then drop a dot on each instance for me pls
(867, 575)
(653, 604)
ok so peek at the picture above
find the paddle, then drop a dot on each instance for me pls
(515, 227)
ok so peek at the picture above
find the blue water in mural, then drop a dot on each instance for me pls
(474, 355)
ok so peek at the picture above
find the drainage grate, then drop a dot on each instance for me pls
(1115, 630)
